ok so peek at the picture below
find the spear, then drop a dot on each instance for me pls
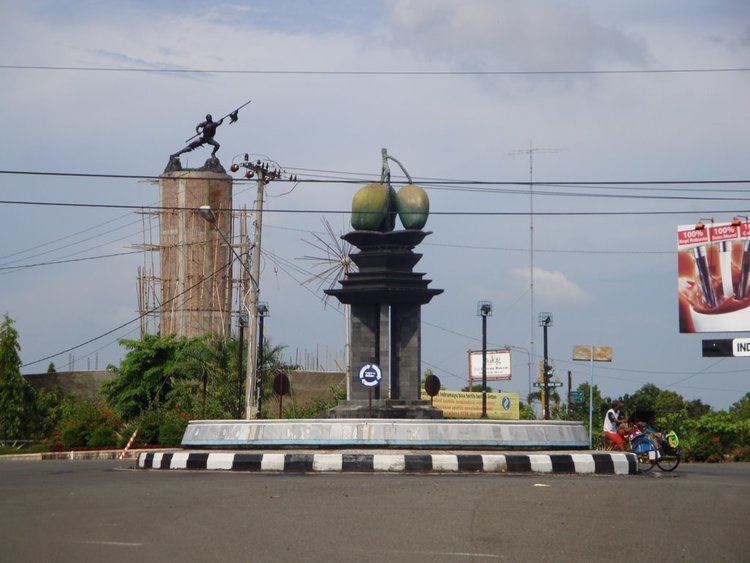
(232, 115)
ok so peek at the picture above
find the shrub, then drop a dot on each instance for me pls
(102, 437)
(87, 423)
(172, 428)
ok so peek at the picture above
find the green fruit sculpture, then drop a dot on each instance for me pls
(370, 207)
(413, 206)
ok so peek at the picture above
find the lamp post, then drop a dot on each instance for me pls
(545, 321)
(263, 312)
(205, 212)
(484, 310)
(240, 344)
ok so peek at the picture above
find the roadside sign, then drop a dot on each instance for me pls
(498, 365)
(465, 404)
(370, 375)
(727, 347)
(576, 397)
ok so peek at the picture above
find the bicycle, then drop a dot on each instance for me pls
(652, 449)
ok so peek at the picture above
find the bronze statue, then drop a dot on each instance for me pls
(205, 132)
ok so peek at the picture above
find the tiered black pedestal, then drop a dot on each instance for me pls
(386, 297)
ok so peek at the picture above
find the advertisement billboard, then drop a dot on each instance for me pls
(461, 404)
(713, 269)
(498, 365)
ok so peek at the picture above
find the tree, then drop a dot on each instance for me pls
(741, 409)
(581, 411)
(146, 374)
(14, 392)
(51, 368)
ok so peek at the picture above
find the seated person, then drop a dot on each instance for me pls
(611, 421)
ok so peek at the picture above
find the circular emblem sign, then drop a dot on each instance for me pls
(506, 403)
(370, 375)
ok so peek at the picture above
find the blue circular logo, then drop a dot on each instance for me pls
(506, 403)
(370, 375)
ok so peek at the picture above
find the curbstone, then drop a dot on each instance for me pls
(594, 463)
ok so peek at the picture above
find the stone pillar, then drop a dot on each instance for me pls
(195, 290)
(384, 357)
(407, 349)
(365, 325)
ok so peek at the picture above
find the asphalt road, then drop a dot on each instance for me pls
(103, 511)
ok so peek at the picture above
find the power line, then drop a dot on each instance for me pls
(425, 181)
(299, 72)
(139, 317)
(24, 266)
(347, 211)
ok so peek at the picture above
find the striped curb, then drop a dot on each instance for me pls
(596, 463)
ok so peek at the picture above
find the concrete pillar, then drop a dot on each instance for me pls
(384, 356)
(406, 342)
(192, 251)
(365, 328)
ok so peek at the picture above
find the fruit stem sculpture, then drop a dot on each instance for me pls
(374, 206)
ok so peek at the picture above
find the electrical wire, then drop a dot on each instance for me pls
(347, 211)
(320, 72)
(139, 317)
(24, 266)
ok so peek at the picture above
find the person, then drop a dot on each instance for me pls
(611, 421)
(206, 130)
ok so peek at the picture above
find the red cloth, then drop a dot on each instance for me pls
(616, 439)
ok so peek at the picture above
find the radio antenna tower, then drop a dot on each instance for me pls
(530, 152)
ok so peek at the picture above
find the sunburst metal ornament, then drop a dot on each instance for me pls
(332, 262)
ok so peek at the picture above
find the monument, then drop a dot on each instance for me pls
(384, 408)
(386, 297)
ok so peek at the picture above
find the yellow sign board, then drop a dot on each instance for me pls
(463, 404)
(601, 353)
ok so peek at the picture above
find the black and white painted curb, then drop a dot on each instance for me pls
(592, 463)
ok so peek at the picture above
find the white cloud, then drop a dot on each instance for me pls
(553, 286)
(507, 35)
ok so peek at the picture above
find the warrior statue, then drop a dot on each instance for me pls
(205, 132)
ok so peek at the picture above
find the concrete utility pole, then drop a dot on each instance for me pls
(264, 173)
(251, 406)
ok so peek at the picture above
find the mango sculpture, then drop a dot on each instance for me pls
(413, 206)
(370, 208)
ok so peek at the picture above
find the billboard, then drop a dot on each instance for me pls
(713, 269)
(498, 365)
(461, 404)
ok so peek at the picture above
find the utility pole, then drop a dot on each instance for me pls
(262, 314)
(264, 173)
(240, 346)
(251, 407)
(570, 383)
(530, 153)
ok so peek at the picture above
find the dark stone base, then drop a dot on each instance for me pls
(212, 164)
(385, 408)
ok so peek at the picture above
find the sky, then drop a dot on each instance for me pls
(606, 279)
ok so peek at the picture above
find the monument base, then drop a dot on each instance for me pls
(386, 433)
(385, 408)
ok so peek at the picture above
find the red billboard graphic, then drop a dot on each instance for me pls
(713, 268)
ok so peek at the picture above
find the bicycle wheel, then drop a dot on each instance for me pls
(643, 449)
(669, 461)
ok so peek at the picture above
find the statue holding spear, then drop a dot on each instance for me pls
(206, 130)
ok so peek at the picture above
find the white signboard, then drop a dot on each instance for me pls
(498, 365)
(741, 346)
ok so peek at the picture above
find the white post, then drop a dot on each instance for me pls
(251, 405)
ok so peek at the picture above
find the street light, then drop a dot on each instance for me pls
(484, 310)
(545, 321)
(263, 312)
(205, 212)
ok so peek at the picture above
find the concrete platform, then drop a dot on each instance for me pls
(391, 433)
(606, 463)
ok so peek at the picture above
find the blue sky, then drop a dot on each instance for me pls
(603, 127)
